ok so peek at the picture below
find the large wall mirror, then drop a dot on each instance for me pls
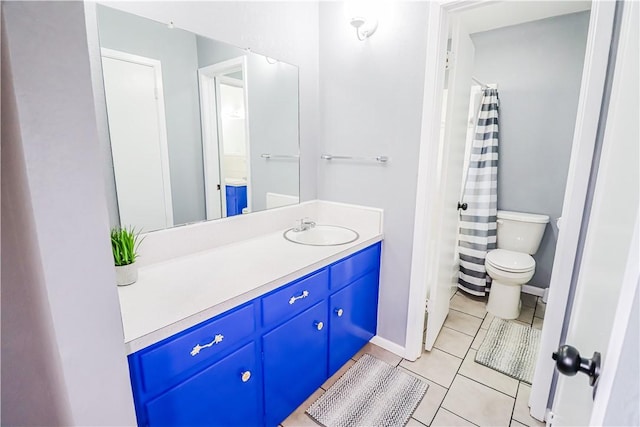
(199, 129)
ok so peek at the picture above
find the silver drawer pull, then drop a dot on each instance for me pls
(246, 376)
(339, 312)
(319, 325)
(294, 299)
(216, 340)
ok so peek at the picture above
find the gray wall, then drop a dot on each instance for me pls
(273, 118)
(61, 285)
(371, 104)
(538, 69)
(176, 50)
(284, 30)
(33, 391)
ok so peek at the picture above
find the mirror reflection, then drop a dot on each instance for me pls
(199, 129)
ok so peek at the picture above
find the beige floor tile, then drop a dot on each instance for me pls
(537, 323)
(540, 308)
(487, 321)
(478, 403)
(514, 423)
(335, 377)
(526, 315)
(380, 353)
(453, 342)
(521, 409)
(462, 322)
(528, 300)
(478, 339)
(475, 306)
(435, 365)
(414, 423)
(445, 418)
(487, 376)
(431, 401)
(298, 418)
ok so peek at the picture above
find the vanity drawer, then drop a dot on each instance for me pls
(295, 298)
(197, 345)
(357, 265)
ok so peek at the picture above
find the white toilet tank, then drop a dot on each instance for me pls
(520, 232)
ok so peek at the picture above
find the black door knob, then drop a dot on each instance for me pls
(462, 206)
(569, 362)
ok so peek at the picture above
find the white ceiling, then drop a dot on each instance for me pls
(505, 13)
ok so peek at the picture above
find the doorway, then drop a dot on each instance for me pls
(434, 210)
(225, 130)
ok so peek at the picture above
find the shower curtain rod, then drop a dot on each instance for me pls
(483, 85)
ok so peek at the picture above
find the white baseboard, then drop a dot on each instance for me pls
(533, 290)
(388, 345)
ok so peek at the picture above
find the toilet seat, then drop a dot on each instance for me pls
(510, 261)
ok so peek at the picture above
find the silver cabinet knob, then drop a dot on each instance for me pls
(319, 325)
(339, 312)
(246, 376)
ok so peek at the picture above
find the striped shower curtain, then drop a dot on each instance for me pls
(477, 233)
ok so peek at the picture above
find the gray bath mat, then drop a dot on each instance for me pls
(510, 348)
(371, 393)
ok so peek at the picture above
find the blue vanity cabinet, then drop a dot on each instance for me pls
(236, 199)
(295, 362)
(255, 364)
(228, 393)
(353, 319)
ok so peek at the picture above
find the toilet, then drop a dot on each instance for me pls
(511, 265)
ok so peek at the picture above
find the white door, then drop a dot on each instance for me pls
(607, 279)
(443, 277)
(137, 131)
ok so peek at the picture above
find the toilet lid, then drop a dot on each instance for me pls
(515, 262)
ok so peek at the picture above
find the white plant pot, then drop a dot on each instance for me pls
(126, 274)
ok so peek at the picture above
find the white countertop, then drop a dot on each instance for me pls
(173, 295)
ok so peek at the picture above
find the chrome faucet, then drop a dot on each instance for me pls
(304, 224)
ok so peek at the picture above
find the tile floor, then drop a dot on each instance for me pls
(452, 374)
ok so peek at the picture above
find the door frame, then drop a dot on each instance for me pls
(212, 133)
(163, 138)
(424, 243)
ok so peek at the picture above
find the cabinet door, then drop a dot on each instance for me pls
(353, 319)
(227, 393)
(295, 362)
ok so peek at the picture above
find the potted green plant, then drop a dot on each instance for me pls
(124, 245)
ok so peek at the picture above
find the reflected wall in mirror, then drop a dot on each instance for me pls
(199, 129)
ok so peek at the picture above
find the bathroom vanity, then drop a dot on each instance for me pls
(243, 333)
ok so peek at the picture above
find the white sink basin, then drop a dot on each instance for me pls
(322, 235)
